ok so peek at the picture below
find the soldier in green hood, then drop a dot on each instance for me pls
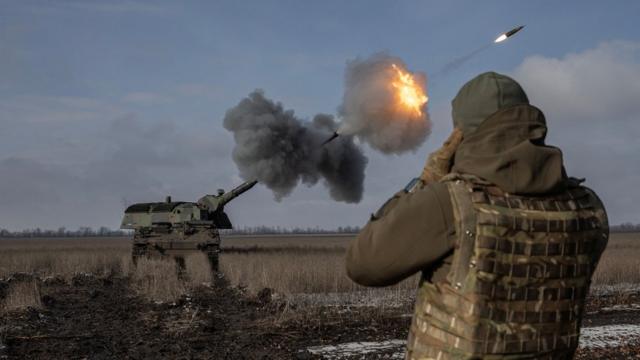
(505, 241)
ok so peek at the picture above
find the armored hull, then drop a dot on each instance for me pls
(178, 243)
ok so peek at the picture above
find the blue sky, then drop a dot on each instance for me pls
(104, 103)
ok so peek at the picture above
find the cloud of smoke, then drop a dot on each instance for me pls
(276, 148)
(371, 109)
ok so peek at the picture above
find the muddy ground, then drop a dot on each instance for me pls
(101, 318)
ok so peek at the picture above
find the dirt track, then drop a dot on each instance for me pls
(101, 319)
(95, 318)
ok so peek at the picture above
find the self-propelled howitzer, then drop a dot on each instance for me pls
(177, 228)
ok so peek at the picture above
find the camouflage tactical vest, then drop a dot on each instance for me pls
(520, 273)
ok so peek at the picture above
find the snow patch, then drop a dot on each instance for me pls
(621, 288)
(386, 298)
(629, 307)
(394, 347)
(608, 335)
(590, 337)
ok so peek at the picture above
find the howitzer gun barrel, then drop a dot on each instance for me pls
(239, 190)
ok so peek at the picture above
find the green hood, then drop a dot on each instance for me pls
(504, 138)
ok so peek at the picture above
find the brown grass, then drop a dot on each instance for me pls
(22, 295)
(310, 278)
(290, 265)
(285, 241)
(63, 257)
(66, 264)
(157, 280)
(62, 244)
(294, 264)
(198, 271)
(620, 262)
(294, 271)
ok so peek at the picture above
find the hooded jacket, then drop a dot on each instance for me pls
(503, 143)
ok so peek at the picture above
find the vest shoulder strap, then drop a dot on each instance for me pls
(465, 223)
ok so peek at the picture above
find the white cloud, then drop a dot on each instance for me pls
(592, 103)
(604, 81)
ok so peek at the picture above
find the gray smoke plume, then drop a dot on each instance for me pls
(370, 109)
(276, 148)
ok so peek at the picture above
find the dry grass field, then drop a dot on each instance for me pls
(64, 257)
(295, 265)
(303, 264)
(620, 262)
(289, 265)
(23, 294)
(68, 298)
(68, 258)
(319, 241)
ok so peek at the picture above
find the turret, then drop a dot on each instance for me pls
(209, 209)
(217, 202)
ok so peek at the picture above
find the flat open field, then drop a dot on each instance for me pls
(277, 297)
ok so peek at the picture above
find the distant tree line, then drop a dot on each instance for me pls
(86, 231)
(260, 230)
(625, 228)
(83, 231)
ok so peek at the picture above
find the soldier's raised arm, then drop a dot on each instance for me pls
(411, 232)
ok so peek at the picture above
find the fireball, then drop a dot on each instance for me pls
(410, 94)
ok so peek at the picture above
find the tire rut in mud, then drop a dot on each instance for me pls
(103, 319)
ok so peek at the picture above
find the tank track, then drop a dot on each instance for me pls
(139, 251)
(212, 252)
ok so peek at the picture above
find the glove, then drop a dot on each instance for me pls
(439, 162)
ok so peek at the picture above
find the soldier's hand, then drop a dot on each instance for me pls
(439, 162)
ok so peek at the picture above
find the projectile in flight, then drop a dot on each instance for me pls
(508, 34)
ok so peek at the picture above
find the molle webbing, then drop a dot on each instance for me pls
(520, 273)
(466, 230)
